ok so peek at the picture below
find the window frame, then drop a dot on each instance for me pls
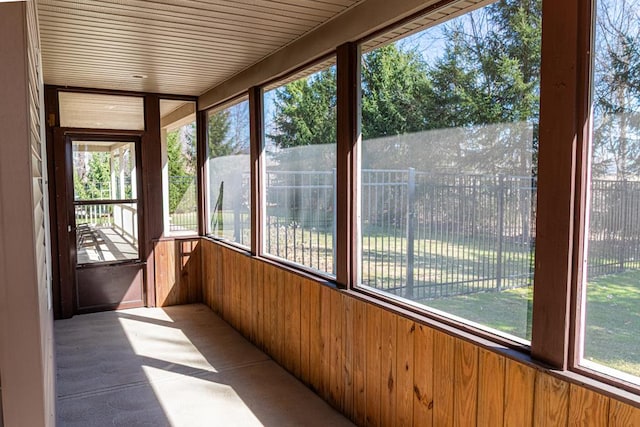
(258, 134)
(203, 155)
(586, 24)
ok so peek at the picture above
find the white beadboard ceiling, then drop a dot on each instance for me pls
(182, 46)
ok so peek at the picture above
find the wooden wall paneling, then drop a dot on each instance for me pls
(160, 256)
(388, 375)
(226, 278)
(395, 371)
(587, 408)
(623, 415)
(347, 354)
(245, 297)
(177, 272)
(359, 359)
(218, 269)
(292, 327)
(190, 276)
(465, 399)
(257, 307)
(305, 330)
(405, 374)
(279, 301)
(491, 386)
(234, 273)
(443, 379)
(194, 265)
(324, 388)
(207, 272)
(551, 401)
(336, 363)
(243, 265)
(373, 351)
(423, 376)
(270, 310)
(315, 338)
(518, 394)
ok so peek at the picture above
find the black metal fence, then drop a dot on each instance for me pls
(183, 204)
(614, 232)
(428, 236)
(433, 235)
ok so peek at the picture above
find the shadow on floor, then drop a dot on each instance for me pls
(178, 366)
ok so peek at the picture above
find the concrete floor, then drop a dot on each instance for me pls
(178, 366)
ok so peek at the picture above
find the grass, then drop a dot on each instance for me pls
(612, 317)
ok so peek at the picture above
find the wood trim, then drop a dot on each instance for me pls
(152, 191)
(201, 160)
(61, 157)
(256, 117)
(118, 92)
(583, 118)
(52, 118)
(348, 137)
(556, 193)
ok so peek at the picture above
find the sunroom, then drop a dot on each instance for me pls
(326, 212)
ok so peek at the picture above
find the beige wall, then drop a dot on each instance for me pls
(26, 339)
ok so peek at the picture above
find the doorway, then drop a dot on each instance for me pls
(103, 212)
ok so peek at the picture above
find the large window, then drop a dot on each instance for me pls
(228, 172)
(178, 122)
(448, 169)
(612, 291)
(300, 170)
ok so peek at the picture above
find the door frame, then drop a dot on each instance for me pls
(65, 208)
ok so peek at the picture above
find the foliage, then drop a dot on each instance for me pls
(487, 73)
(217, 130)
(93, 180)
(395, 92)
(306, 111)
(617, 90)
(177, 169)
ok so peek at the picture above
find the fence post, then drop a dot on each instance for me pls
(237, 204)
(622, 253)
(411, 202)
(334, 183)
(500, 232)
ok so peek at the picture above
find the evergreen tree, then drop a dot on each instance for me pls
(179, 180)
(395, 92)
(489, 75)
(305, 111)
(217, 130)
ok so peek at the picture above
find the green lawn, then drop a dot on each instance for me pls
(612, 319)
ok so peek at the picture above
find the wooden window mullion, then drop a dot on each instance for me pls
(256, 148)
(348, 136)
